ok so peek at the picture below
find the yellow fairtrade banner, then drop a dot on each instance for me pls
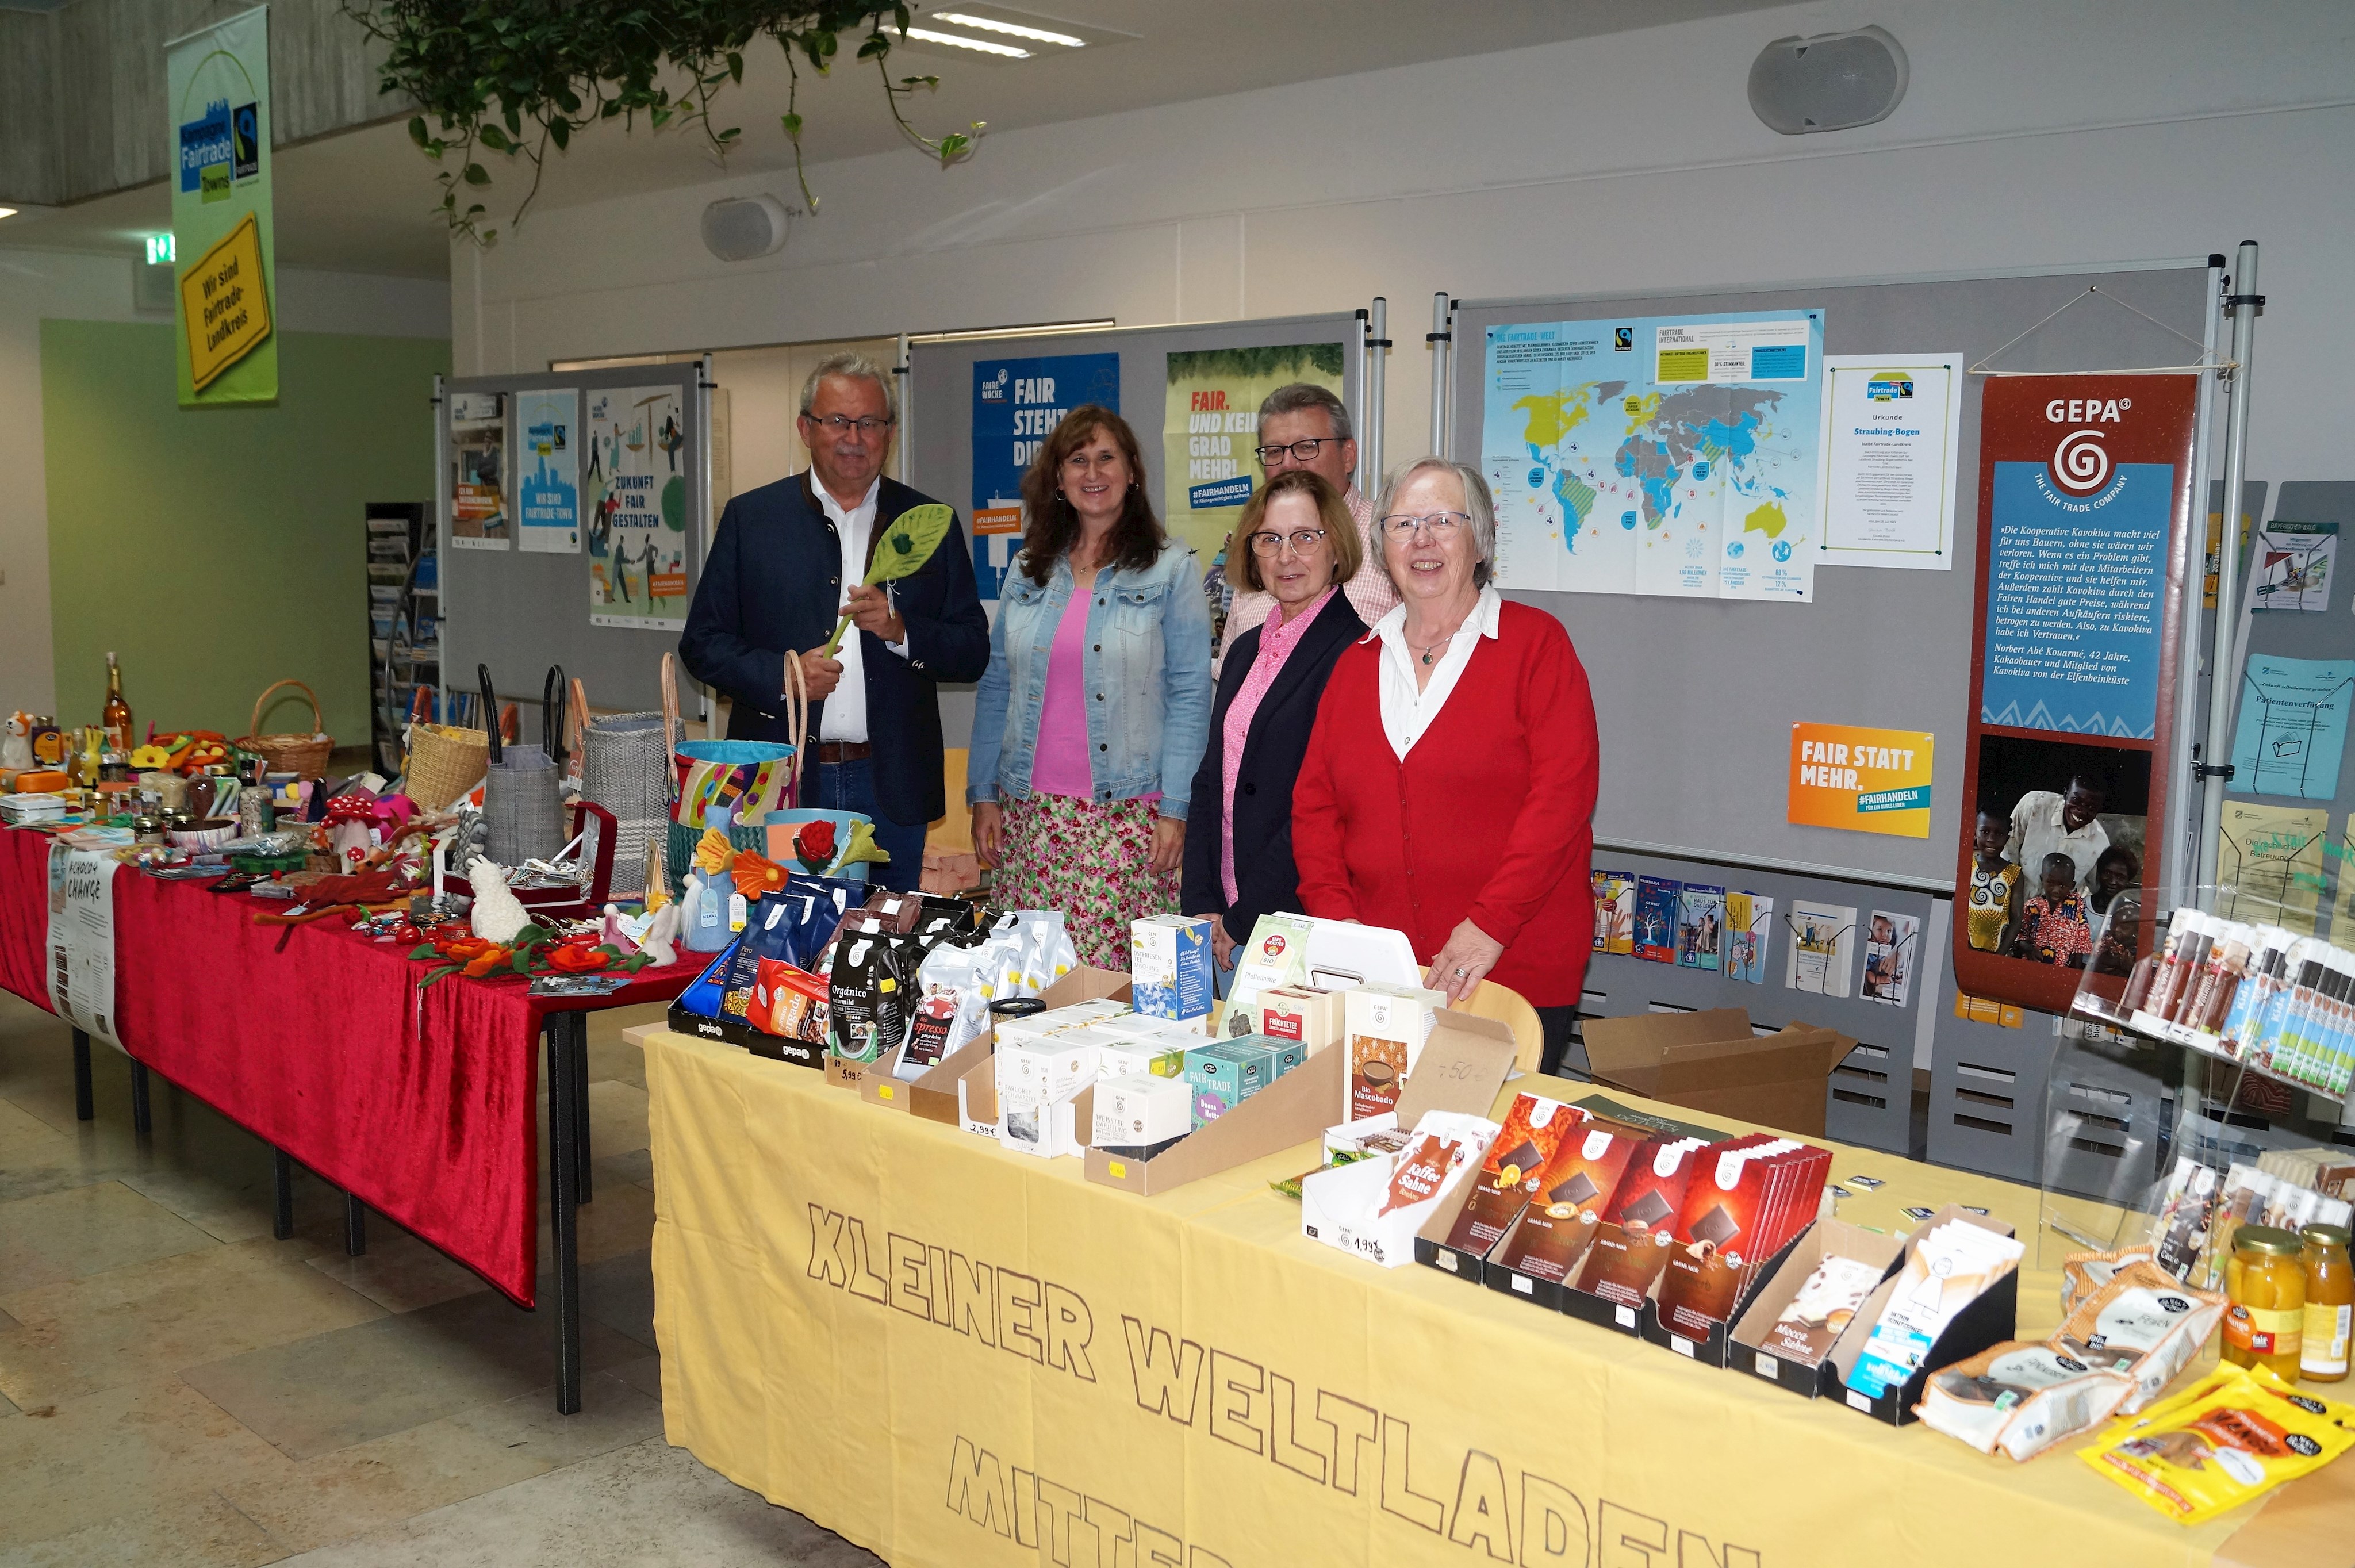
(957, 1355)
(1867, 781)
(224, 303)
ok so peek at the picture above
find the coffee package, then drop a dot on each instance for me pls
(865, 993)
(789, 1002)
(1385, 1027)
(1374, 1206)
(2021, 1398)
(1534, 1129)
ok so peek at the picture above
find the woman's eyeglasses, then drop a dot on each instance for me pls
(1439, 525)
(1302, 542)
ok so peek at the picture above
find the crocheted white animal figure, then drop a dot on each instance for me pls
(498, 914)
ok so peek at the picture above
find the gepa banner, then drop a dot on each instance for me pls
(218, 90)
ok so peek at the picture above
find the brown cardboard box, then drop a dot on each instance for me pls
(1463, 1065)
(934, 1096)
(1711, 1061)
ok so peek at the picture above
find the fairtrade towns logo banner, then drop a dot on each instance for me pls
(217, 87)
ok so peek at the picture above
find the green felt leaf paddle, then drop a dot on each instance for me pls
(904, 547)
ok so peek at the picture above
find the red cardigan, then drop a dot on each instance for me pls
(1489, 817)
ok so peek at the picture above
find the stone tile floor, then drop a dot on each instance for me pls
(177, 1387)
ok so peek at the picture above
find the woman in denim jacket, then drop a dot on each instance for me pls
(1092, 715)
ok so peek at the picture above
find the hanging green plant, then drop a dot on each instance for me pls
(513, 78)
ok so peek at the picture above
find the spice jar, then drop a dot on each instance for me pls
(2266, 1282)
(2329, 1304)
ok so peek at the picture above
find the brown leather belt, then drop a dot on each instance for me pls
(844, 751)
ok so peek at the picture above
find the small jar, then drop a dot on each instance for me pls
(2266, 1282)
(2329, 1304)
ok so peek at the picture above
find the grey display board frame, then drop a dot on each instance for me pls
(1695, 699)
(519, 613)
(938, 400)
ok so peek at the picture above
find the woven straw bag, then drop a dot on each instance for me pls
(303, 755)
(445, 761)
(624, 762)
(523, 794)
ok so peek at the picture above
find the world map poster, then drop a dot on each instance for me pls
(1673, 455)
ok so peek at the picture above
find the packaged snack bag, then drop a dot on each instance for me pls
(2242, 1434)
(2143, 1325)
(2021, 1398)
(2083, 1274)
(790, 1002)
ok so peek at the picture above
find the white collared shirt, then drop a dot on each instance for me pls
(845, 718)
(1407, 710)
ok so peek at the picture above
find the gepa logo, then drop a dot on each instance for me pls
(2087, 411)
(994, 389)
(2080, 464)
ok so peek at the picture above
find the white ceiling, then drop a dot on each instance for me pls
(365, 201)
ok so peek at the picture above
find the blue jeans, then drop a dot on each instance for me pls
(850, 786)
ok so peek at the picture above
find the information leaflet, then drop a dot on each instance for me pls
(81, 939)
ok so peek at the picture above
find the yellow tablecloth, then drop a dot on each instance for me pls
(955, 1355)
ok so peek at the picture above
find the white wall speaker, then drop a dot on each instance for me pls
(1833, 81)
(742, 228)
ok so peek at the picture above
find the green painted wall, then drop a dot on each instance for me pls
(219, 549)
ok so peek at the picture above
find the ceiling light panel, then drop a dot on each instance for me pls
(1011, 30)
(979, 45)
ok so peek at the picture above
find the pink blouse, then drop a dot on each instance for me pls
(1059, 766)
(1278, 635)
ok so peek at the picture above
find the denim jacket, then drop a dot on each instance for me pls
(1147, 658)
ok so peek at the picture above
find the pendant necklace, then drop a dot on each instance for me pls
(1432, 652)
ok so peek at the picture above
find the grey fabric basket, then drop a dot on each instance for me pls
(523, 793)
(625, 768)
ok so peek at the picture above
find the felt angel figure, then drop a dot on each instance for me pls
(657, 942)
(613, 932)
(498, 914)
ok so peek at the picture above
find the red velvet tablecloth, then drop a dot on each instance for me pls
(315, 1040)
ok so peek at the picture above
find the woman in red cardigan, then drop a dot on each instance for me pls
(1449, 785)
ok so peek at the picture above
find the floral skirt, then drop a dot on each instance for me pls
(1091, 859)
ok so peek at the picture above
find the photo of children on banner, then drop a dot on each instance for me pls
(2046, 864)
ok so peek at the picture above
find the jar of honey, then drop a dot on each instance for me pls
(2266, 1282)
(2329, 1304)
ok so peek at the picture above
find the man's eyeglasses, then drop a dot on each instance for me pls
(1302, 542)
(1302, 451)
(1440, 525)
(837, 425)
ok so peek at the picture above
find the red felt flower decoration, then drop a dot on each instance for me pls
(491, 956)
(578, 960)
(815, 844)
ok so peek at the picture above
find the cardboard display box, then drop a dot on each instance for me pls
(1711, 1061)
(1717, 1348)
(941, 1094)
(1474, 1054)
(1828, 1238)
(1987, 1321)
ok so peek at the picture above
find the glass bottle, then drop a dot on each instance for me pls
(115, 720)
(2329, 1304)
(2266, 1282)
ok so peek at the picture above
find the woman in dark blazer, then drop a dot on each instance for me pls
(1297, 542)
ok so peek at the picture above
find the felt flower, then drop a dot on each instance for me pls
(713, 853)
(863, 847)
(813, 844)
(146, 759)
(483, 963)
(463, 949)
(757, 874)
(571, 960)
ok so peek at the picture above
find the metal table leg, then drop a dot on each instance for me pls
(564, 1030)
(83, 1110)
(281, 1192)
(355, 1226)
(579, 1033)
(142, 1112)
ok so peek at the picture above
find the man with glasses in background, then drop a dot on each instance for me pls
(791, 557)
(1305, 426)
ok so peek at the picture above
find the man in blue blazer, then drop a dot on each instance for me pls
(788, 560)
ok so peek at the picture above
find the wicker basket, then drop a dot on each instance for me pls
(305, 756)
